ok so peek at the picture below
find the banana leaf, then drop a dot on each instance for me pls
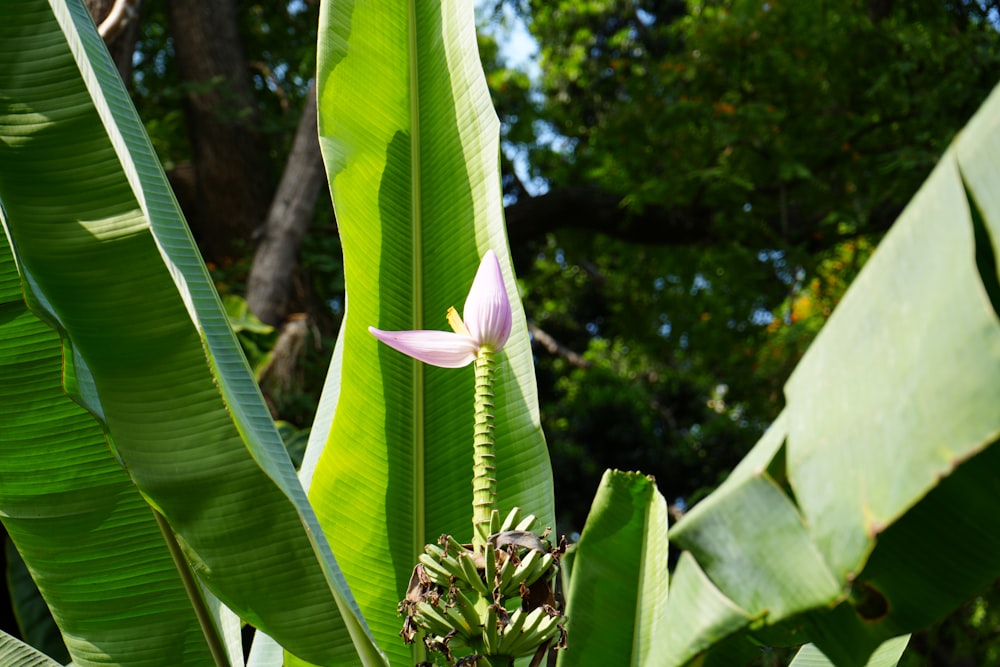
(410, 141)
(15, 652)
(887, 655)
(75, 516)
(34, 619)
(178, 457)
(616, 598)
(885, 452)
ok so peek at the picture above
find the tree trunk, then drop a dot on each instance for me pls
(269, 286)
(231, 179)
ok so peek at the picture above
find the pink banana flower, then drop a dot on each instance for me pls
(487, 324)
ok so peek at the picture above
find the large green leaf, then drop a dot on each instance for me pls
(15, 652)
(884, 449)
(616, 602)
(770, 565)
(106, 259)
(887, 655)
(90, 541)
(699, 617)
(34, 618)
(410, 141)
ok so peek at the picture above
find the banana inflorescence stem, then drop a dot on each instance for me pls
(484, 471)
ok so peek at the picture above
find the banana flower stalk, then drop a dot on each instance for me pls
(496, 595)
(478, 338)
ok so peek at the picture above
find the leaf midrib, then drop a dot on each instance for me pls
(419, 519)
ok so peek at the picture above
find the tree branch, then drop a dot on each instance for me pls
(121, 13)
(591, 209)
(552, 346)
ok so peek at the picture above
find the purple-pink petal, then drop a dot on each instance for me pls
(438, 348)
(487, 308)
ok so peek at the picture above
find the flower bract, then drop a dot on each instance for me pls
(486, 325)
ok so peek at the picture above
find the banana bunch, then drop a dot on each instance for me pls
(497, 599)
(524, 633)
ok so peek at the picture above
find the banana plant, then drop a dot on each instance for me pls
(144, 413)
(410, 141)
